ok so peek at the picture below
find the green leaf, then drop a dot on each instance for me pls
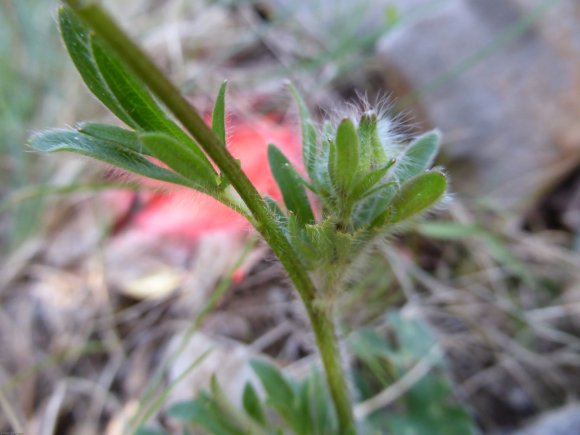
(370, 210)
(300, 239)
(131, 93)
(218, 118)
(76, 37)
(110, 133)
(108, 152)
(114, 85)
(181, 159)
(309, 136)
(186, 410)
(252, 404)
(372, 151)
(303, 408)
(280, 393)
(323, 415)
(418, 156)
(366, 184)
(417, 195)
(290, 185)
(204, 412)
(237, 418)
(137, 101)
(346, 155)
(275, 210)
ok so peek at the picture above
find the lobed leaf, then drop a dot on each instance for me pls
(105, 151)
(114, 85)
(110, 133)
(181, 159)
(290, 185)
(76, 37)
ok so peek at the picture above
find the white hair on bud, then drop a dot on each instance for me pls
(392, 127)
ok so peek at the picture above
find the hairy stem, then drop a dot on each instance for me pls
(322, 322)
(140, 64)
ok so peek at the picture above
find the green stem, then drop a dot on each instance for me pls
(324, 329)
(140, 64)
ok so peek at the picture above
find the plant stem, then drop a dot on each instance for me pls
(322, 322)
(140, 64)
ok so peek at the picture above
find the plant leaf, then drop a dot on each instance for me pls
(112, 83)
(218, 118)
(110, 133)
(417, 195)
(252, 404)
(238, 418)
(309, 136)
(375, 205)
(346, 155)
(76, 37)
(418, 156)
(279, 391)
(108, 152)
(181, 159)
(365, 185)
(203, 412)
(291, 187)
(372, 151)
(280, 217)
(131, 94)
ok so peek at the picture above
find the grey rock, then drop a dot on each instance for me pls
(508, 105)
(564, 421)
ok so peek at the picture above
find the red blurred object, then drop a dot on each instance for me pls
(185, 214)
